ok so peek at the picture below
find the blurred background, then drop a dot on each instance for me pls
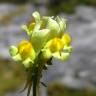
(76, 77)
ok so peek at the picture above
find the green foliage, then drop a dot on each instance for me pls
(56, 6)
(67, 6)
(62, 6)
(14, 1)
(90, 2)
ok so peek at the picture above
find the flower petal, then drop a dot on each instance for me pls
(13, 50)
(27, 62)
(61, 55)
(25, 28)
(54, 28)
(66, 38)
(17, 57)
(62, 25)
(65, 56)
(25, 49)
(56, 55)
(67, 48)
(39, 39)
(46, 54)
(36, 16)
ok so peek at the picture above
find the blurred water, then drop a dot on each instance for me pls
(80, 71)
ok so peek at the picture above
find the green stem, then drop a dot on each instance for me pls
(37, 73)
(35, 83)
(34, 88)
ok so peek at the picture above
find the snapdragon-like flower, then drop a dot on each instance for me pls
(47, 39)
(59, 48)
(24, 52)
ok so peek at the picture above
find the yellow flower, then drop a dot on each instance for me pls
(58, 47)
(24, 52)
(47, 36)
(66, 39)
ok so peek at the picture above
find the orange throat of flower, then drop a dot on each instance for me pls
(25, 48)
(56, 45)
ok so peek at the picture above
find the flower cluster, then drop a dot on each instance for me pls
(47, 35)
(47, 39)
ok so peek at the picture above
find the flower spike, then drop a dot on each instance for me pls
(47, 39)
